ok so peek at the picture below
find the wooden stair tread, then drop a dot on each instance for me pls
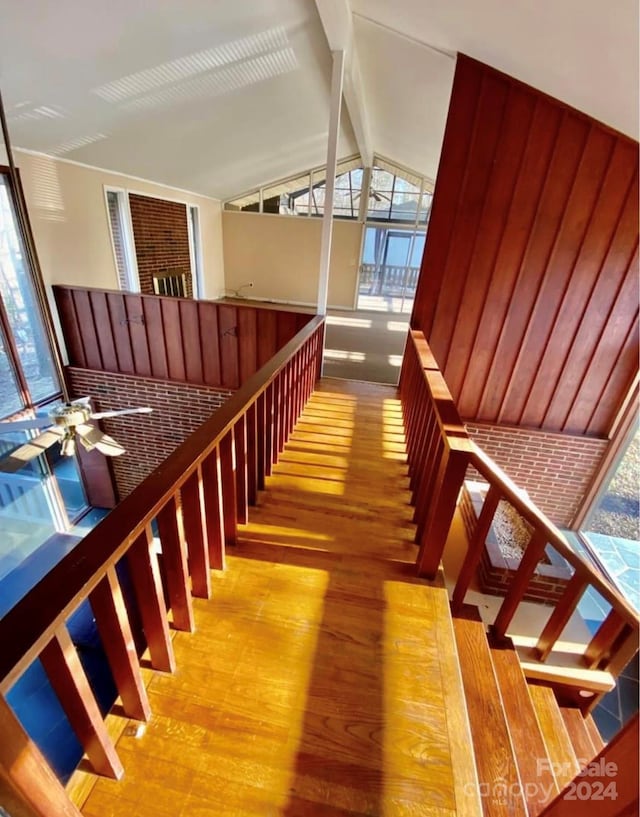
(556, 737)
(594, 732)
(526, 737)
(579, 734)
(495, 759)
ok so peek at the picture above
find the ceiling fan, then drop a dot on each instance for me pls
(65, 424)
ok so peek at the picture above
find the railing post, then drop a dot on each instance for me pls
(527, 567)
(70, 683)
(451, 473)
(599, 648)
(561, 615)
(261, 465)
(240, 451)
(174, 558)
(111, 617)
(196, 534)
(476, 546)
(229, 502)
(252, 453)
(213, 506)
(28, 786)
(147, 585)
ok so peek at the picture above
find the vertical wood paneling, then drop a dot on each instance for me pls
(286, 327)
(267, 336)
(170, 308)
(139, 334)
(198, 342)
(69, 321)
(530, 240)
(156, 339)
(228, 340)
(87, 327)
(121, 333)
(247, 342)
(102, 321)
(211, 370)
(191, 350)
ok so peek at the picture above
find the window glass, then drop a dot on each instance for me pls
(22, 308)
(10, 398)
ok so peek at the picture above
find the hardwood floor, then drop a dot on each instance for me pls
(321, 679)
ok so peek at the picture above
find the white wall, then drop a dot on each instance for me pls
(281, 255)
(68, 216)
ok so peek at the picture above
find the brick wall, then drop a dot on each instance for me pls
(555, 469)
(178, 409)
(161, 237)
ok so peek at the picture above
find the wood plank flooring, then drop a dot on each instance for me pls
(321, 679)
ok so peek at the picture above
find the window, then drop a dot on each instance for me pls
(398, 198)
(195, 251)
(122, 239)
(390, 267)
(26, 361)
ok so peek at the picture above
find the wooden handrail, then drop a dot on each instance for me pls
(439, 454)
(537, 519)
(29, 626)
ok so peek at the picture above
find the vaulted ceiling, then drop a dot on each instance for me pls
(220, 97)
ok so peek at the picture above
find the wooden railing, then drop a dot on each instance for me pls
(197, 498)
(439, 454)
(388, 279)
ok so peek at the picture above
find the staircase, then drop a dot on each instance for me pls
(527, 746)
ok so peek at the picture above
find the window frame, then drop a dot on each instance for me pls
(128, 241)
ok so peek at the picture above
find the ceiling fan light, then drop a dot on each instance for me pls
(68, 447)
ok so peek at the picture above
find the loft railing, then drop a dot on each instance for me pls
(439, 454)
(388, 279)
(197, 497)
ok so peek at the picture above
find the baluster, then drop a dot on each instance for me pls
(28, 785)
(276, 419)
(147, 585)
(69, 681)
(269, 430)
(599, 648)
(252, 454)
(476, 546)
(419, 444)
(110, 612)
(229, 502)
(174, 558)
(451, 473)
(625, 647)
(213, 508)
(533, 552)
(427, 480)
(261, 440)
(283, 397)
(561, 615)
(196, 534)
(240, 450)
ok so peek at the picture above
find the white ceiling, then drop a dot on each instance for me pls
(220, 97)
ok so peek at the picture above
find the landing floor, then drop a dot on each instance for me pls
(321, 679)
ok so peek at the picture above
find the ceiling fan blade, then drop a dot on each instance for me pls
(84, 400)
(92, 437)
(18, 458)
(7, 426)
(99, 415)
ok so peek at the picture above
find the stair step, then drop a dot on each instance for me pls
(538, 780)
(556, 737)
(594, 732)
(497, 768)
(579, 734)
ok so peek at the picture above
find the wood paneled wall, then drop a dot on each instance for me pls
(528, 292)
(199, 342)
